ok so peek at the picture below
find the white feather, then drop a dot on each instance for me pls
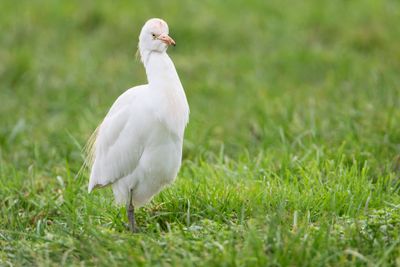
(139, 143)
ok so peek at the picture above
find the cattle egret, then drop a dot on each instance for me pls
(138, 147)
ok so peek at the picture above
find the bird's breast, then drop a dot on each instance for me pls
(162, 156)
(171, 108)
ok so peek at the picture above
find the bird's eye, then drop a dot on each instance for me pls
(154, 35)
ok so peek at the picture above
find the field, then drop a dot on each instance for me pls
(291, 156)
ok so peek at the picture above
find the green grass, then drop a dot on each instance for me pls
(291, 157)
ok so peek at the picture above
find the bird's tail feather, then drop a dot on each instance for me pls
(88, 151)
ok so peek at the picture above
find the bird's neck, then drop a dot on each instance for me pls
(161, 71)
(164, 82)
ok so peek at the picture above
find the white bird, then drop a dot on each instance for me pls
(138, 147)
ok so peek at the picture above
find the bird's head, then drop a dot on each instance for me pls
(154, 36)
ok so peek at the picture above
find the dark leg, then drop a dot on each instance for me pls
(131, 214)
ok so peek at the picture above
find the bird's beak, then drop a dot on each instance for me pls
(166, 39)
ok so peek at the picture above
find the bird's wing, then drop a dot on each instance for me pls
(118, 143)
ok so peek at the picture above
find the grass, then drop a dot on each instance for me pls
(291, 157)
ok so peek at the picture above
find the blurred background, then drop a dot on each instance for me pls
(288, 79)
(291, 154)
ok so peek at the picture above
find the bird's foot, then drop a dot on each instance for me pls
(133, 229)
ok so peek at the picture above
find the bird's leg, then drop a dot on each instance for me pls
(131, 214)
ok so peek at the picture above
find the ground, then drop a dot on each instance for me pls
(291, 157)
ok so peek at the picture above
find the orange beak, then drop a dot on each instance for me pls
(166, 39)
